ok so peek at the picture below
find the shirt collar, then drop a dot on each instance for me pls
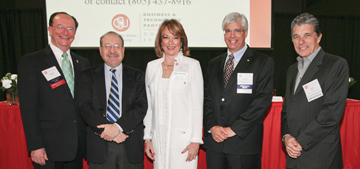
(238, 54)
(310, 57)
(118, 68)
(57, 51)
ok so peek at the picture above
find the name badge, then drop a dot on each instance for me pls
(244, 83)
(54, 77)
(312, 90)
(181, 69)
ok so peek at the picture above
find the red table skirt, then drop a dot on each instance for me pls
(14, 155)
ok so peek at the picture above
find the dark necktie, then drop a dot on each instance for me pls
(229, 68)
(113, 108)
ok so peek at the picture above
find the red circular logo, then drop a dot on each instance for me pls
(120, 22)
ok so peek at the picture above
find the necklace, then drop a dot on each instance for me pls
(166, 66)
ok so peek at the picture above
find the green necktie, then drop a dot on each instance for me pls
(68, 73)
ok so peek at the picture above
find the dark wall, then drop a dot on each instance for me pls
(337, 39)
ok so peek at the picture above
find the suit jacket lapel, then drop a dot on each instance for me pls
(220, 71)
(311, 71)
(77, 71)
(240, 67)
(127, 84)
(292, 79)
(50, 59)
(99, 85)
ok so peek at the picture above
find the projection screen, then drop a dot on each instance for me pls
(138, 20)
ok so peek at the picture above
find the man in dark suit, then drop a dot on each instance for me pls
(316, 90)
(48, 83)
(113, 103)
(238, 92)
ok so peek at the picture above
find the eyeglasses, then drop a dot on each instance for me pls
(62, 28)
(236, 31)
(108, 46)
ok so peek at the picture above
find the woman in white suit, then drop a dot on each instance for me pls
(174, 87)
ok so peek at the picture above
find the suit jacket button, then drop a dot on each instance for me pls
(222, 99)
(75, 121)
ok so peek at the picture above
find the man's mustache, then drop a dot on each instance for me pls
(113, 55)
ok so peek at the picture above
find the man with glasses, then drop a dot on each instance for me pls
(238, 92)
(113, 103)
(48, 83)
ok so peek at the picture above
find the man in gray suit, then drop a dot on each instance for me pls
(316, 90)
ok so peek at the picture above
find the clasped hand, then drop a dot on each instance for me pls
(220, 133)
(112, 133)
(293, 147)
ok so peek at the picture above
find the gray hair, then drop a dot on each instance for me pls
(112, 32)
(306, 18)
(235, 17)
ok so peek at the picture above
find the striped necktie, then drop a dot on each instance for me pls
(113, 108)
(68, 72)
(229, 68)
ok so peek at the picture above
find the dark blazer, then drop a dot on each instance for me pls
(50, 116)
(315, 125)
(243, 113)
(92, 103)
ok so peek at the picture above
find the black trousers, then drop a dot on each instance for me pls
(116, 159)
(227, 161)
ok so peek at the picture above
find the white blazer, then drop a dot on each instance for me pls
(186, 107)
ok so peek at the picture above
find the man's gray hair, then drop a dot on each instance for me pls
(112, 32)
(306, 18)
(235, 17)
